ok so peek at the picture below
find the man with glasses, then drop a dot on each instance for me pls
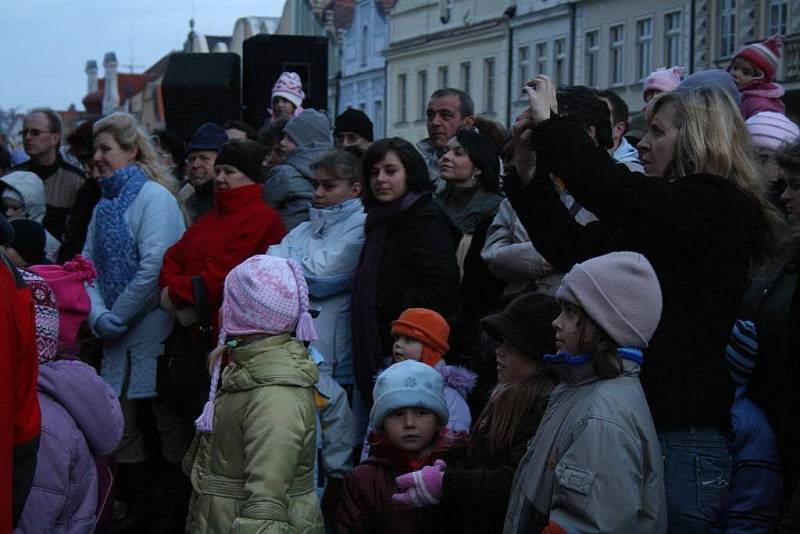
(41, 137)
(197, 196)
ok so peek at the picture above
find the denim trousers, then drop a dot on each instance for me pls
(697, 471)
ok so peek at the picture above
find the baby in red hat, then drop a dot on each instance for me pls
(753, 69)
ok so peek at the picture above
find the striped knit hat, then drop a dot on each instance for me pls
(764, 55)
(770, 130)
(742, 351)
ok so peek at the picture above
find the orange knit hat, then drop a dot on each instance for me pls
(427, 327)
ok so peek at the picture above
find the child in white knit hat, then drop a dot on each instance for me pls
(253, 458)
(594, 464)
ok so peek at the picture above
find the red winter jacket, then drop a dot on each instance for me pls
(20, 419)
(239, 226)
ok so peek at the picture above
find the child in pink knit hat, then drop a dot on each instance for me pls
(287, 97)
(753, 69)
(257, 432)
(661, 81)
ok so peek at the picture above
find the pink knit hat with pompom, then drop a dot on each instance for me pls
(67, 282)
(289, 87)
(263, 295)
(663, 80)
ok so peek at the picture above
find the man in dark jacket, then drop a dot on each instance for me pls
(197, 196)
(41, 137)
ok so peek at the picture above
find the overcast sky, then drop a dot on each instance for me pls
(44, 44)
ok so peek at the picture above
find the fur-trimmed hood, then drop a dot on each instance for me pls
(459, 378)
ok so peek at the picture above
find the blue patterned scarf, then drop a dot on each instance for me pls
(115, 253)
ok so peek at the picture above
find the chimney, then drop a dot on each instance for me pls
(91, 74)
(111, 90)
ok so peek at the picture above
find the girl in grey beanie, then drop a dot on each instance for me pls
(594, 464)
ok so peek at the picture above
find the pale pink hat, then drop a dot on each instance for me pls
(67, 282)
(770, 130)
(289, 87)
(263, 295)
(664, 80)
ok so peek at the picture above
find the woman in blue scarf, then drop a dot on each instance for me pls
(134, 223)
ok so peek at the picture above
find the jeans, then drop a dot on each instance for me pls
(697, 471)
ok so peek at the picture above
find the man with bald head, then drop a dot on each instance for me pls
(41, 138)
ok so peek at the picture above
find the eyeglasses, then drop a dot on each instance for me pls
(33, 132)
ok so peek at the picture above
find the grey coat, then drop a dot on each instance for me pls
(594, 464)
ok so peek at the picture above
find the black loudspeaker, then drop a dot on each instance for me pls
(200, 88)
(266, 56)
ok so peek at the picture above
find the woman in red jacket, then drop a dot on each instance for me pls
(239, 225)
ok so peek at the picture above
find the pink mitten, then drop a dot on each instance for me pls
(420, 488)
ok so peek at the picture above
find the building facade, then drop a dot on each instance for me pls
(445, 43)
(363, 80)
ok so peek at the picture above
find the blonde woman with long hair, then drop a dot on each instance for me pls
(701, 218)
(132, 226)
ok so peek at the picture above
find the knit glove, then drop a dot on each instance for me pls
(187, 316)
(420, 488)
(110, 327)
(166, 302)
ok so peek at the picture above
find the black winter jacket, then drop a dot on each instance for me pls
(698, 232)
(418, 266)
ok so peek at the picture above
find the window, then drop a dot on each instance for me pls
(422, 93)
(727, 28)
(488, 85)
(559, 61)
(672, 39)
(616, 43)
(644, 48)
(378, 119)
(524, 70)
(592, 51)
(402, 93)
(364, 45)
(363, 106)
(445, 10)
(466, 75)
(778, 13)
(444, 76)
(541, 58)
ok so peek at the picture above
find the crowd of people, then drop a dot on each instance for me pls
(557, 328)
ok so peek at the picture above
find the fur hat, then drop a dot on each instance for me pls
(620, 292)
(45, 307)
(290, 87)
(356, 121)
(408, 384)
(427, 327)
(764, 56)
(770, 130)
(663, 80)
(245, 155)
(67, 282)
(526, 323)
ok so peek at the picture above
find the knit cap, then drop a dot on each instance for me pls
(664, 80)
(408, 384)
(764, 55)
(29, 240)
(356, 121)
(620, 292)
(45, 307)
(262, 295)
(209, 136)
(712, 77)
(290, 87)
(67, 282)
(770, 130)
(427, 327)
(245, 155)
(311, 128)
(526, 324)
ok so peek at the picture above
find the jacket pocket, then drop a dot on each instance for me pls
(575, 479)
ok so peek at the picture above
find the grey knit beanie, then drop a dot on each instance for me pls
(620, 292)
(311, 128)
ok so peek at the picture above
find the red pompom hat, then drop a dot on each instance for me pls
(764, 55)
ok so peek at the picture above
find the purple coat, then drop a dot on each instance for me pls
(81, 419)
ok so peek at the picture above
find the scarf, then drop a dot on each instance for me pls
(367, 351)
(115, 254)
